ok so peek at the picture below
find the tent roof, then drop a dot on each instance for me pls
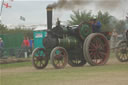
(40, 28)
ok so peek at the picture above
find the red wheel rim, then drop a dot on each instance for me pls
(39, 59)
(98, 50)
(60, 59)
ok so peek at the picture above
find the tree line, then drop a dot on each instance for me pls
(108, 21)
(25, 31)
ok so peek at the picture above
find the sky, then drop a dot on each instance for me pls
(35, 12)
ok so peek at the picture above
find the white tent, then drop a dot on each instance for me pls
(40, 28)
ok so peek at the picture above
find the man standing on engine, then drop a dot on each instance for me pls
(96, 25)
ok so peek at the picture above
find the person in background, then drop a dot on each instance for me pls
(96, 25)
(1, 47)
(31, 45)
(114, 38)
(126, 34)
(26, 45)
(25, 42)
(1, 43)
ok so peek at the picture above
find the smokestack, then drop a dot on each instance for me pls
(49, 17)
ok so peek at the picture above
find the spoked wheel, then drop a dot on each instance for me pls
(59, 57)
(122, 51)
(96, 49)
(39, 58)
(76, 61)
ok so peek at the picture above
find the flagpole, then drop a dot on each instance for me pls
(1, 11)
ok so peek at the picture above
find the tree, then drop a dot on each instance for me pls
(121, 26)
(79, 16)
(3, 29)
(27, 32)
(108, 22)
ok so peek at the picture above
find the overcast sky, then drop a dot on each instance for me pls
(35, 11)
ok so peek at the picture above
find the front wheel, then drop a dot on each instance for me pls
(39, 58)
(59, 57)
(96, 49)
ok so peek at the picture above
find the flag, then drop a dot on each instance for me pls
(6, 5)
(22, 18)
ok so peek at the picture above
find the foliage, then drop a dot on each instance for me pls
(108, 21)
(79, 16)
(25, 31)
(3, 29)
(121, 26)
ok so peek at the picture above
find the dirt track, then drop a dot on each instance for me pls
(13, 60)
(90, 78)
(111, 61)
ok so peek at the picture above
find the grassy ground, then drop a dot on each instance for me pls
(15, 65)
(113, 73)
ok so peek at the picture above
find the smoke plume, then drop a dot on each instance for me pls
(107, 4)
(69, 4)
(73, 4)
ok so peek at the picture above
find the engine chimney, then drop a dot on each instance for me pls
(49, 17)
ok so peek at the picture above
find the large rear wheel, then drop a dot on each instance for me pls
(96, 49)
(39, 58)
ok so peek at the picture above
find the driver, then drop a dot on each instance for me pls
(96, 25)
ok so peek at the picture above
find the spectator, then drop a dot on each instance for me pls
(31, 45)
(26, 45)
(1, 43)
(114, 38)
(126, 34)
(1, 47)
(25, 42)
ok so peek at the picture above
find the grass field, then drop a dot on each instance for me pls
(113, 73)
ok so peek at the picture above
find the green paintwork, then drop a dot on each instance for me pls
(85, 30)
(69, 42)
(38, 38)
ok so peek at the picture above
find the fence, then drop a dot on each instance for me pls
(12, 44)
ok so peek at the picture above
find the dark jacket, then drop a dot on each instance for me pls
(96, 28)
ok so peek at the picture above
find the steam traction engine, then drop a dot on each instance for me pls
(74, 45)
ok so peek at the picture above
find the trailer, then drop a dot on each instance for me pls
(121, 50)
